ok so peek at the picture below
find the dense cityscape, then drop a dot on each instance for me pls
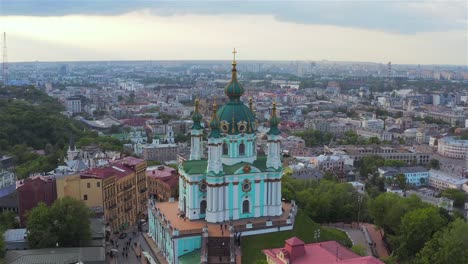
(233, 161)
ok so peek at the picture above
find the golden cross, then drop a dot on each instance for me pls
(234, 52)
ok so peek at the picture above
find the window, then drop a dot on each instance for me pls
(85, 197)
(203, 207)
(245, 207)
(202, 187)
(88, 185)
(98, 184)
(246, 186)
(225, 149)
(242, 149)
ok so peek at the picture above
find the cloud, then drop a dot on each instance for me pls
(142, 35)
(392, 16)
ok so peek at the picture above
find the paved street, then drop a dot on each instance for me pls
(357, 237)
(131, 252)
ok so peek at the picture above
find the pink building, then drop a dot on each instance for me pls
(329, 252)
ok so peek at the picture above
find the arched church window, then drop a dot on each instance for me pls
(203, 207)
(225, 149)
(242, 149)
(245, 207)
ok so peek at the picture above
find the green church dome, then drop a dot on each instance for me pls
(197, 117)
(234, 116)
(215, 124)
(274, 122)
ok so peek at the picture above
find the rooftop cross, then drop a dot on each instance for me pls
(234, 53)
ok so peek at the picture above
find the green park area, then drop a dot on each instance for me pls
(304, 229)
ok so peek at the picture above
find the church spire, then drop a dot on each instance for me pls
(234, 63)
(214, 122)
(234, 90)
(274, 121)
(197, 117)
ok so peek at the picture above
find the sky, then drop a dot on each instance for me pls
(404, 32)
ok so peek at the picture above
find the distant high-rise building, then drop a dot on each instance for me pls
(73, 104)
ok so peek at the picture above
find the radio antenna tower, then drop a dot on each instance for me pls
(5, 61)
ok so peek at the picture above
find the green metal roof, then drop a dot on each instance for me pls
(234, 112)
(195, 166)
(190, 258)
(199, 166)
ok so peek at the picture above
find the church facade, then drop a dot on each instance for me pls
(233, 182)
(231, 185)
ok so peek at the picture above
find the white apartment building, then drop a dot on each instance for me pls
(373, 124)
(442, 180)
(73, 105)
(453, 147)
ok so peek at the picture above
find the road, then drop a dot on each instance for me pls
(132, 251)
(357, 237)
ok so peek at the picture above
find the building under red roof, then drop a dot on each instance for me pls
(116, 169)
(329, 252)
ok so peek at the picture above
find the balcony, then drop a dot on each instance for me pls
(128, 187)
(143, 190)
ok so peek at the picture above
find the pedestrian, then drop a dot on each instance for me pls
(126, 255)
(225, 226)
(221, 226)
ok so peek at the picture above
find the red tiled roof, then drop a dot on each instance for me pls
(294, 241)
(165, 174)
(131, 161)
(116, 169)
(330, 252)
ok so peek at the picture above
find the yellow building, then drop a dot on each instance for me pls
(118, 191)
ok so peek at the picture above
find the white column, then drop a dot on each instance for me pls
(265, 202)
(226, 203)
(236, 202)
(257, 200)
(208, 199)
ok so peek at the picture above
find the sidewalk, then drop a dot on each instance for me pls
(155, 250)
(377, 239)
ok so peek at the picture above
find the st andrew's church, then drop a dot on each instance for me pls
(232, 186)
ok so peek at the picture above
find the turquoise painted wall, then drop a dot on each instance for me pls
(188, 244)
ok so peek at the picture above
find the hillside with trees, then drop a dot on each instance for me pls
(31, 120)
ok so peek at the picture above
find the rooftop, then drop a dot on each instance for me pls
(329, 252)
(172, 215)
(199, 166)
(117, 170)
(56, 255)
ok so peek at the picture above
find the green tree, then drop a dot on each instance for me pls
(369, 165)
(400, 179)
(448, 245)
(359, 249)
(417, 227)
(458, 196)
(434, 164)
(66, 222)
(388, 209)
(394, 163)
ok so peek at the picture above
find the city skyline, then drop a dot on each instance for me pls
(420, 32)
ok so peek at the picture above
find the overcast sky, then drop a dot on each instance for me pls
(414, 32)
